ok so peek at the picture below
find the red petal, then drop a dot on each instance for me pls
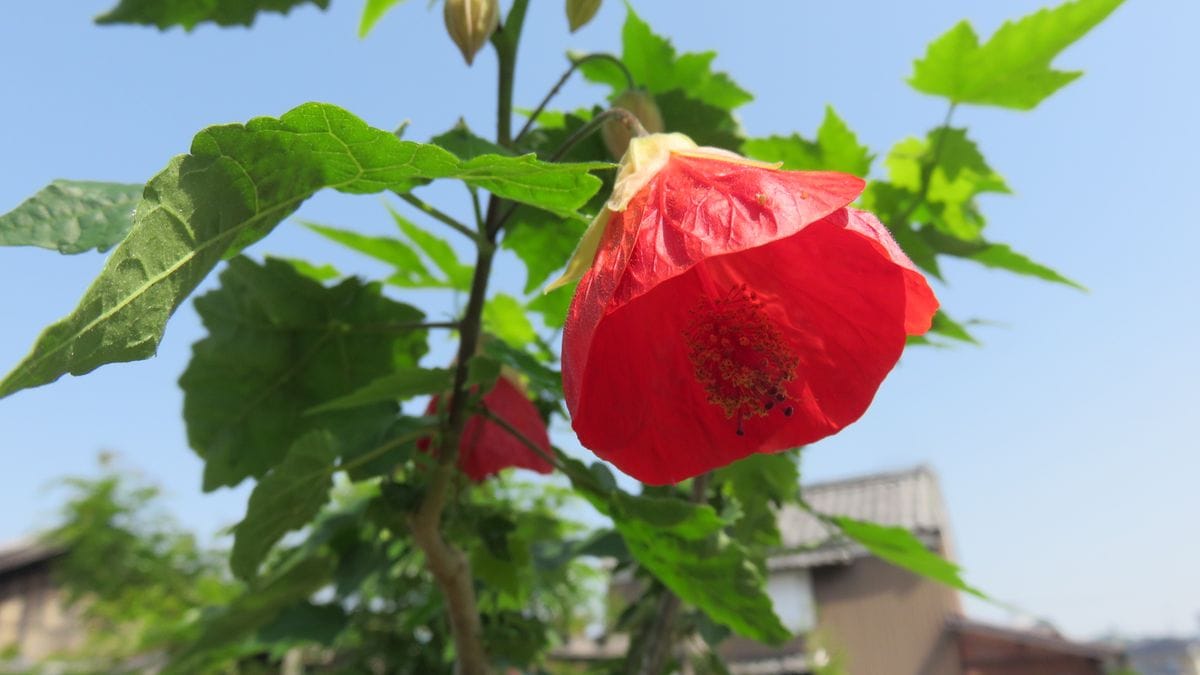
(837, 299)
(486, 448)
(921, 304)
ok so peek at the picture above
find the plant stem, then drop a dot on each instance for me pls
(439, 215)
(563, 80)
(450, 567)
(656, 647)
(935, 155)
(516, 433)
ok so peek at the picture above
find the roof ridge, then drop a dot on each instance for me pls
(918, 470)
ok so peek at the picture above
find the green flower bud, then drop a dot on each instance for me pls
(641, 104)
(470, 24)
(579, 12)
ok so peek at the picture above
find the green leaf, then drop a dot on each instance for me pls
(760, 483)
(465, 144)
(945, 326)
(188, 13)
(959, 175)
(558, 188)
(504, 317)
(321, 273)
(280, 344)
(543, 241)
(305, 622)
(237, 184)
(652, 61)
(996, 256)
(836, 149)
(683, 545)
(285, 499)
(373, 11)
(72, 216)
(704, 123)
(438, 251)
(899, 547)
(410, 271)
(261, 604)
(553, 306)
(1013, 68)
(398, 386)
(543, 380)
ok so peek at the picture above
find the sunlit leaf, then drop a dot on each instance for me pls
(437, 250)
(373, 11)
(504, 317)
(836, 149)
(410, 271)
(280, 344)
(899, 547)
(188, 13)
(1013, 68)
(398, 386)
(72, 216)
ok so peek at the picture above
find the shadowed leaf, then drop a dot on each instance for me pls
(72, 216)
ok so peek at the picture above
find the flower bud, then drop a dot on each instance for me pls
(641, 104)
(470, 24)
(579, 12)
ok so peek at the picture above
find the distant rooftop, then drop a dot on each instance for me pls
(15, 555)
(908, 498)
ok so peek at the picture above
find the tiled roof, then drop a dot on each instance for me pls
(910, 499)
(22, 553)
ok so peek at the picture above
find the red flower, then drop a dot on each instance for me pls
(487, 447)
(727, 307)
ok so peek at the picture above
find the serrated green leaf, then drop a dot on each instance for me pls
(280, 344)
(652, 61)
(188, 13)
(836, 149)
(71, 216)
(465, 144)
(704, 123)
(543, 241)
(258, 606)
(285, 499)
(321, 273)
(237, 184)
(398, 386)
(1013, 68)
(946, 327)
(899, 547)
(996, 256)
(373, 11)
(410, 271)
(558, 188)
(692, 556)
(504, 317)
(438, 251)
(760, 483)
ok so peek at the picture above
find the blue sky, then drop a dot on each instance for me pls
(1065, 444)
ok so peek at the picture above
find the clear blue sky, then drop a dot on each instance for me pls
(1065, 445)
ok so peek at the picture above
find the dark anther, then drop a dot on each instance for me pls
(768, 405)
(779, 396)
(741, 431)
(787, 412)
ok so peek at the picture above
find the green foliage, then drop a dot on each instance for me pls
(759, 485)
(188, 13)
(504, 317)
(129, 569)
(899, 547)
(1012, 69)
(440, 253)
(373, 11)
(72, 216)
(285, 499)
(836, 149)
(280, 344)
(410, 272)
(398, 386)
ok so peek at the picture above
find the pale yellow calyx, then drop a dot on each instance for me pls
(646, 156)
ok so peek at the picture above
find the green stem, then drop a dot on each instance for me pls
(935, 155)
(436, 214)
(516, 433)
(506, 39)
(598, 56)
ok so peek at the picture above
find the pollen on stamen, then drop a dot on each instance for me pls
(738, 356)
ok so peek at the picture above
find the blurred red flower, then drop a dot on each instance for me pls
(726, 307)
(486, 447)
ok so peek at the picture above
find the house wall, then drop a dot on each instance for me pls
(882, 619)
(33, 616)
